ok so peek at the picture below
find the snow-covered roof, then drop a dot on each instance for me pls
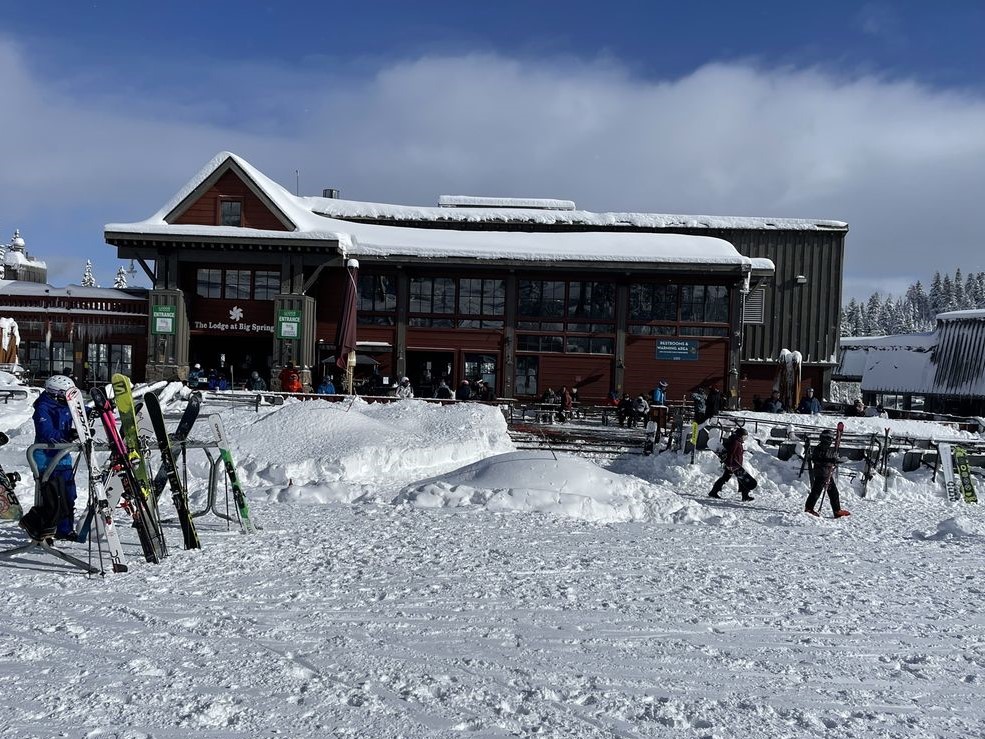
(320, 219)
(472, 201)
(899, 369)
(17, 258)
(958, 315)
(19, 287)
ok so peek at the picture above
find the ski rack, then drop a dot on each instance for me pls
(40, 478)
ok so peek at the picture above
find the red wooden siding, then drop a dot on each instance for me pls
(590, 373)
(205, 210)
(644, 370)
(758, 379)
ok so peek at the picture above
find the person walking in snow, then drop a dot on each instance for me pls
(824, 470)
(566, 404)
(404, 389)
(53, 425)
(733, 463)
(809, 405)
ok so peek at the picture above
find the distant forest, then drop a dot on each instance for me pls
(915, 311)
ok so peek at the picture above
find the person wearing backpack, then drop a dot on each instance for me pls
(733, 457)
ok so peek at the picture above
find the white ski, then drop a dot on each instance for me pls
(97, 492)
(947, 466)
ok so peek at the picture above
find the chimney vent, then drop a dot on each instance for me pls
(330, 192)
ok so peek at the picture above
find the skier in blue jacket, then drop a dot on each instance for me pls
(810, 404)
(53, 424)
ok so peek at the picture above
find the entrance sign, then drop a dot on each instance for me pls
(677, 349)
(163, 319)
(288, 324)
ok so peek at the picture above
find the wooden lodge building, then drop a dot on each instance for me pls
(526, 294)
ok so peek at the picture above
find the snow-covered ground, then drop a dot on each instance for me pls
(418, 577)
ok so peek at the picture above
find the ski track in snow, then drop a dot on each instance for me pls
(380, 620)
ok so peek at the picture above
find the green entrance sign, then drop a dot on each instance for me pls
(288, 324)
(163, 319)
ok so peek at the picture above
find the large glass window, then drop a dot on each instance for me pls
(432, 295)
(209, 283)
(377, 300)
(105, 360)
(266, 284)
(481, 367)
(525, 379)
(591, 300)
(704, 303)
(541, 298)
(237, 284)
(652, 302)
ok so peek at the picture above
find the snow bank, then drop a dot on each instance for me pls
(957, 527)
(322, 442)
(561, 484)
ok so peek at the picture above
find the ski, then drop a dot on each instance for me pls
(184, 428)
(170, 470)
(215, 422)
(947, 466)
(964, 475)
(694, 439)
(135, 496)
(833, 468)
(98, 502)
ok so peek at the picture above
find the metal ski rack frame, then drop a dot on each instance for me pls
(39, 479)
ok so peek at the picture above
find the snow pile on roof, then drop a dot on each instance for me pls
(458, 201)
(958, 315)
(323, 219)
(15, 258)
(20, 287)
(560, 484)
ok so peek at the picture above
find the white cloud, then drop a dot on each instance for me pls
(902, 163)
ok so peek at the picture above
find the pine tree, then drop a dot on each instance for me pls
(120, 281)
(937, 300)
(848, 327)
(87, 279)
(970, 284)
(873, 314)
(960, 301)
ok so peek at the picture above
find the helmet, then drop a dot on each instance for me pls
(254, 374)
(827, 437)
(58, 385)
(662, 383)
(740, 432)
(404, 380)
(197, 366)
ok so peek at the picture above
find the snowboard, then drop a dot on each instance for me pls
(99, 503)
(947, 467)
(180, 433)
(964, 475)
(219, 432)
(135, 495)
(178, 493)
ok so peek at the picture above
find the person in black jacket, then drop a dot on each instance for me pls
(774, 404)
(733, 464)
(824, 462)
(713, 404)
(464, 391)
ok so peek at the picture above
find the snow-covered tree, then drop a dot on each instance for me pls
(87, 279)
(873, 313)
(120, 281)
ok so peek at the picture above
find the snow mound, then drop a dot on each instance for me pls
(562, 484)
(323, 442)
(957, 527)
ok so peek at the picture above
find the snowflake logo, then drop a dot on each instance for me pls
(236, 313)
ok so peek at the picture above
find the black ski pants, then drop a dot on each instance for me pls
(747, 483)
(818, 487)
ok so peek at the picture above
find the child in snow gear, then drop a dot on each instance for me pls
(732, 462)
(824, 459)
(53, 425)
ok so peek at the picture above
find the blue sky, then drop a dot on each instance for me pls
(872, 113)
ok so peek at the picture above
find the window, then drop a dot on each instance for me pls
(43, 360)
(541, 298)
(533, 343)
(230, 213)
(704, 303)
(589, 345)
(237, 284)
(755, 306)
(591, 300)
(432, 295)
(209, 283)
(525, 379)
(266, 284)
(105, 360)
(653, 302)
(481, 297)
(481, 367)
(377, 300)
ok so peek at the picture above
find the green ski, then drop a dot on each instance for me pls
(123, 399)
(215, 422)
